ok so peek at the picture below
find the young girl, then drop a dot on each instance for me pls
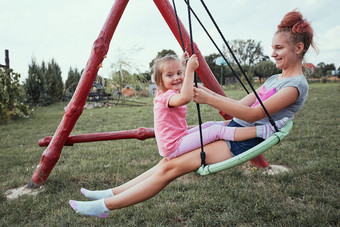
(175, 90)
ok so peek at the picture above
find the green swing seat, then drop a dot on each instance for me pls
(249, 154)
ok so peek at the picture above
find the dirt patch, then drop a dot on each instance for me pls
(270, 170)
(23, 190)
(276, 169)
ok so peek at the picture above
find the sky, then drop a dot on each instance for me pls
(65, 30)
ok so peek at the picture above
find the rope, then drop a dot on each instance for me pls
(195, 78)
(178, 25)
(219, 50)
(238, 64)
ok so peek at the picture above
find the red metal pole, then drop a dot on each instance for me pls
(203, 70)
(140, 133)
(74, 109)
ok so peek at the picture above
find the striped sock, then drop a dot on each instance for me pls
(265, 131)
(92, 208)
(94, 195)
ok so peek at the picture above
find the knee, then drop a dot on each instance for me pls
(208, 124)
(168, 171)
(165, 168)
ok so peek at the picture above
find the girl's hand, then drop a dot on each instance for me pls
(201, 96)
(206, 89)
(193, 63)
(184, 58)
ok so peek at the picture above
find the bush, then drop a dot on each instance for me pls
(11, 96)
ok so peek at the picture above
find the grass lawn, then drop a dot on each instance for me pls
(308, 195)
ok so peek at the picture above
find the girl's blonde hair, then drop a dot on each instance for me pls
(158, 68)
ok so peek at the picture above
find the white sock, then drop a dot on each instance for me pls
(99, 194)
(92, 208)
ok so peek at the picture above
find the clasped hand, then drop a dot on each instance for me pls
(202, 94)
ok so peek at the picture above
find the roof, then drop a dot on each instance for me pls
(309, 65)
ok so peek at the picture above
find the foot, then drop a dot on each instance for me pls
(94, 195)
(92, 208)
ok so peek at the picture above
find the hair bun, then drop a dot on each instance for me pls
(290, 20)
(300, 29)
(301, 26)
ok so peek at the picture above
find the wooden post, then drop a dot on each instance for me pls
(74, 109)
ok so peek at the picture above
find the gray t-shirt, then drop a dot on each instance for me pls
(274, 82)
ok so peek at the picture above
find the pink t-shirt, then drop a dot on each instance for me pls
(264, 94)
(169, 123)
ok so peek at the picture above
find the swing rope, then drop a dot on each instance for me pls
(219, 50)
(253, 152)
(178, 25)
(237, 62)
(258, 149)
(203, 163)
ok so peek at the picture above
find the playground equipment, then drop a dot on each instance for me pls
(6, 60)
(140, 133)
(100, 47)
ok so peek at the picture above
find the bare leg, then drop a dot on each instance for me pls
(245, 133)
(138, 179)
(239, 135)
(163, 173)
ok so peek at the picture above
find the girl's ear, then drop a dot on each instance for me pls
(299, 48)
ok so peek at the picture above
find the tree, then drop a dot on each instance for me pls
(11, 96)
(54, 81)
(328, 69)
(265, 69)
(123, 69)
(248, 52)
(44, 85)
(35, 86)
(323, 69)
(228, 75)
(72, 80)
(121, 76)
(163, 53)
(144, 77)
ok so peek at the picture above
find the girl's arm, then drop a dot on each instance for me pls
(277, 102)
(247, 100)
(186, 93)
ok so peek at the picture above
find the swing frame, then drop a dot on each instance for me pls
(51, 154)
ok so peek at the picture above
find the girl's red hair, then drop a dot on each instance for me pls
(299, 28)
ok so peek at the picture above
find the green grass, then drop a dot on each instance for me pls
(308, 195)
